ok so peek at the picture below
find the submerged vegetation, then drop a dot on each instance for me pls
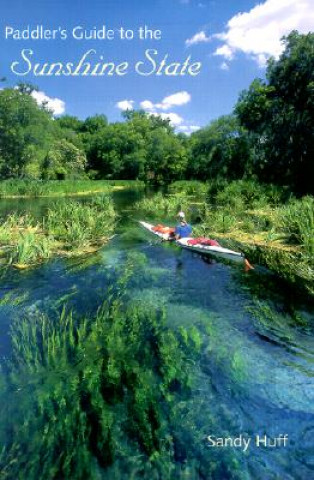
(98, 394)
(70, 228)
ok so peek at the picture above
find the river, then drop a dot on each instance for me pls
(255, 377)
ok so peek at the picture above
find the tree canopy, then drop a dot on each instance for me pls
(269, 135)
(279, 112)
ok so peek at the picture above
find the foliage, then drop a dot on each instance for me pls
(25, 132)
(279, 113)
(220, 150)
(166, 158)
(31, 249)
(246, 194)
(192, 187)
(144, 147)
(64, 160)
(161, 205)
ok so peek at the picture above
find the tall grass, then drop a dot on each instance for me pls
(162, 205)
(69, 224)
(30, 249)
(39, 188)
(245, 194)
(297, 221)
(77, 224)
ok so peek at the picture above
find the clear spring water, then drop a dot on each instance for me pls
(256, 373)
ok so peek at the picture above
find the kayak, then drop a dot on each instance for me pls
(152, 229)
(215, 250)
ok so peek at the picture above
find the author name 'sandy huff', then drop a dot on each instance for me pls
(244, 443)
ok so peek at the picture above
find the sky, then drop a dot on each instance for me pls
(230, 41)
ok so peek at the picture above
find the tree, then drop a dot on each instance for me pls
(64, 160)
(94, 124)
(166, 158)
(69, 122)
(124, 150)
(220, 150)
(26, 131)
(280, 114)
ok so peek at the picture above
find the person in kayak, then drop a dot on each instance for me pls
(184, 229)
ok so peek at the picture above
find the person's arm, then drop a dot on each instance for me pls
(177, 233)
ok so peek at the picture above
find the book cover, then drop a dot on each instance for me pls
(156, 239)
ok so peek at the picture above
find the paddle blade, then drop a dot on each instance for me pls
(247, 265)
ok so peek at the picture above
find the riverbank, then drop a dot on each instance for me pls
(61, 188)
(287, 261)
(270, 228)
(70, 228)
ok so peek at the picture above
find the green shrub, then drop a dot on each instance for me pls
(189, 187)
(245, 194)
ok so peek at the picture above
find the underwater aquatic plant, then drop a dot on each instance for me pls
(97, 392)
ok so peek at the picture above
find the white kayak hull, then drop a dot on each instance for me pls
(149, 227)
(215, 251)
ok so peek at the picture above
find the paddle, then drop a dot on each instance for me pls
(247, 265)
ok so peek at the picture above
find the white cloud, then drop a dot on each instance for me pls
(125, 104)
(176, 100)
(175, 119)
(257, 33)
(188, 129)
(225, 51)
(147, 105)
(56, 105)
(199, 37)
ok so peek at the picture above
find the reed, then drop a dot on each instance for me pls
(77, 224)
(69, 225)
(297, 221)
(246, 194)
(30, 249)
(40, 188)
(166, 206)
